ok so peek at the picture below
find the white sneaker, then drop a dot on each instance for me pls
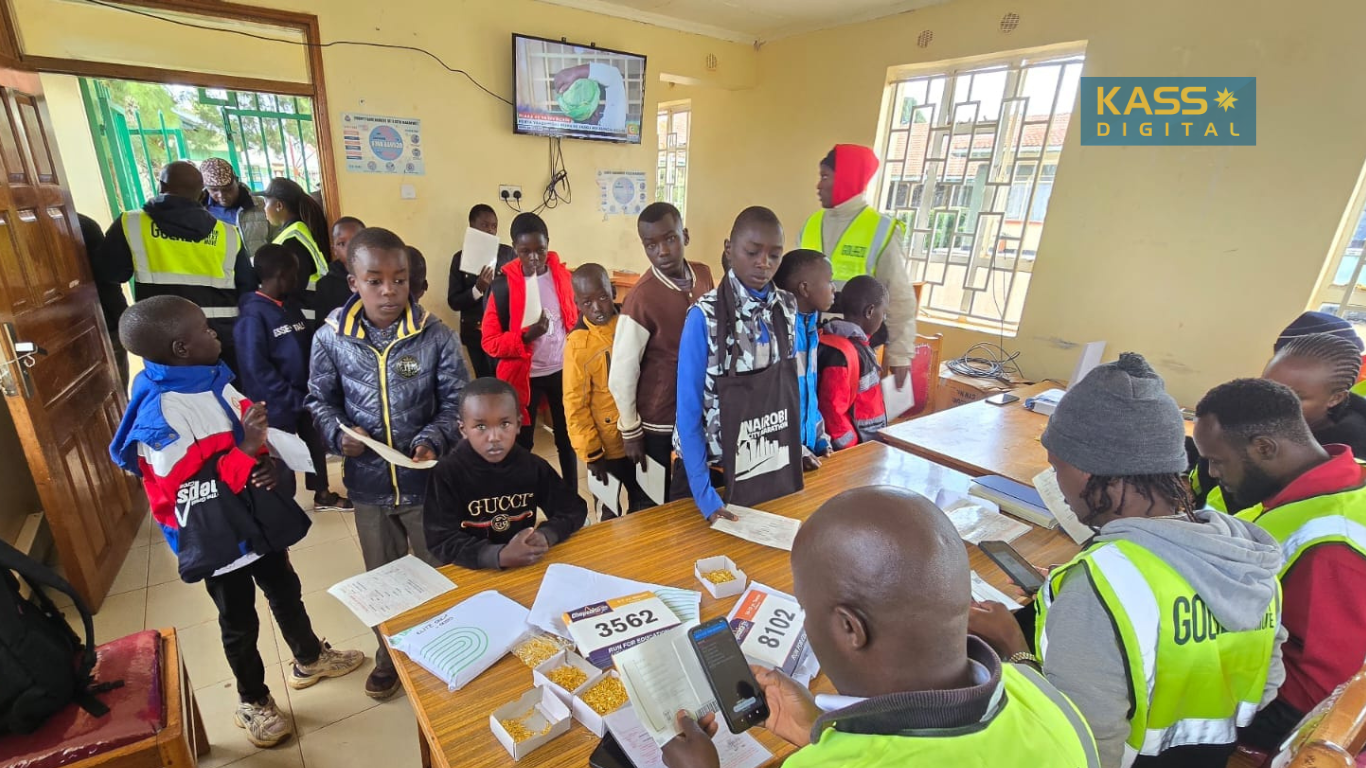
(330, 663)
(264, 723)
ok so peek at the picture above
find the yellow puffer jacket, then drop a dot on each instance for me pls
(588, 405)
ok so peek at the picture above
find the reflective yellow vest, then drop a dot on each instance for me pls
(160, 259)
(1191, 681)
(860, 247)
(1332, 518)
(298, 231)
(1033, 723)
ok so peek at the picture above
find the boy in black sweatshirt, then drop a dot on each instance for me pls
(482, 498)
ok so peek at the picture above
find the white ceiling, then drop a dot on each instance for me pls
(747, 21)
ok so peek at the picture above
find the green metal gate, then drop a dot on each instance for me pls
(266, 136)
(130, 154)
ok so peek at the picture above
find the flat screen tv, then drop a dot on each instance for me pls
(577, 92)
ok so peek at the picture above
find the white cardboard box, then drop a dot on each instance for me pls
(729, 588)
(585, 714)
(538, 675)
(549, 710)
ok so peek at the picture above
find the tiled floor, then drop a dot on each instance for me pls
(335, 724)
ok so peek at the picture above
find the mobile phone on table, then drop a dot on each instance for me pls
(609, 754)
(1013, 563)
(1005, 398)
(738, 693)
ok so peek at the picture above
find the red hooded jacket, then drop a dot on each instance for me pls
(855, 166)
(505, 344)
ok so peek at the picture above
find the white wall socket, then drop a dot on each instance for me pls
(509, 192)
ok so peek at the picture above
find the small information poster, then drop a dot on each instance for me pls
(602, 629)
(376, 144)
(622, 193)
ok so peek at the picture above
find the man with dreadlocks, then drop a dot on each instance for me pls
(1312, 499)
(1153, 591)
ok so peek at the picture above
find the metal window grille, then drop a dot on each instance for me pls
(675, 123)
(1342, 291)
(970, 155)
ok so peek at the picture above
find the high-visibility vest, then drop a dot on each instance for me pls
(298, 231)
(1191, 680)
(163, 260)
(1033, 723)
(1333, 518)
(860, 246)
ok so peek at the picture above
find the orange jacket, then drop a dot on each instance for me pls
(589, 407)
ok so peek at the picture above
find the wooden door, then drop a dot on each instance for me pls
(67, 404)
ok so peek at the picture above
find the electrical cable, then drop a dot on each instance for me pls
(985, 360)
(552, 197)
(305, 43)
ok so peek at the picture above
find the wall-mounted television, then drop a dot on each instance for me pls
(577, 92)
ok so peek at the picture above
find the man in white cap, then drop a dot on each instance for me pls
(229, 200)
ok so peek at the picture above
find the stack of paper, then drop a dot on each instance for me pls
(735, 751)
(979, 520)
(567, 587)
(662, 676)
(983, 592)
(461, 643)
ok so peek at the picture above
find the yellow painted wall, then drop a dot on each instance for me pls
(1195, 257)
(78, 151)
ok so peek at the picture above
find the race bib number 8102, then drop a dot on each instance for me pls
(769, 628)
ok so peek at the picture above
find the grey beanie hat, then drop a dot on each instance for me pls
(1119, 421)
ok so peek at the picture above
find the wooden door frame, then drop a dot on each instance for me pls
(306, 23)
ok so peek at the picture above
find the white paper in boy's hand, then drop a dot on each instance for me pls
(898, 401)
(531, 313)
(291, 449)
(479, 252)
(387, 452)
(609, 493)
(651, 479)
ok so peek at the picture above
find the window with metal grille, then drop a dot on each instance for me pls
(675, 123)
(1342, 291)
(970, 155)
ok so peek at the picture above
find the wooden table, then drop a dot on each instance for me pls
(980, 438)
(658, 546)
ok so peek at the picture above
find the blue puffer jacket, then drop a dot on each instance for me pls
(404, 395)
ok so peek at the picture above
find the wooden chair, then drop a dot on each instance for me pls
(1335, 732)
(146, 728)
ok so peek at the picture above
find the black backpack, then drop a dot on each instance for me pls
(43, 664)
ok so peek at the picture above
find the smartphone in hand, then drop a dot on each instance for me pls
(738, 693)
(1013, 563)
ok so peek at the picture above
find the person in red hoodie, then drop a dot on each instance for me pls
(531, 356)
(1312, 499)
(850, 380)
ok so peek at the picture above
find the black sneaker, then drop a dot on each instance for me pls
(331, 502)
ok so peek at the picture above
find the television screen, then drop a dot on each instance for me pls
(575, 92)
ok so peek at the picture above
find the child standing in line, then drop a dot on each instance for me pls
(531, 357)
(334, 288)
(809, 276)
(644, 372)
(850, 377)
(394, 372)
(186, 425)
(272, 353)
(417, 273)
(481, 509)
(588, 405)
(468, 294)
(737, 379)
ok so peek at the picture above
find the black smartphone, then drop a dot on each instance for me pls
(1005, 398)
(742, 701)
(609, 754)
(1013, 563)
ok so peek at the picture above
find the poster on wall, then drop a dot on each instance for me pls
(621, 193)
(375, 144)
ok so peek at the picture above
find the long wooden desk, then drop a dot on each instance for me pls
(659, 546)
(980, 438)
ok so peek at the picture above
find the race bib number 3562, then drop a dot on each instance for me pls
(602, 629)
